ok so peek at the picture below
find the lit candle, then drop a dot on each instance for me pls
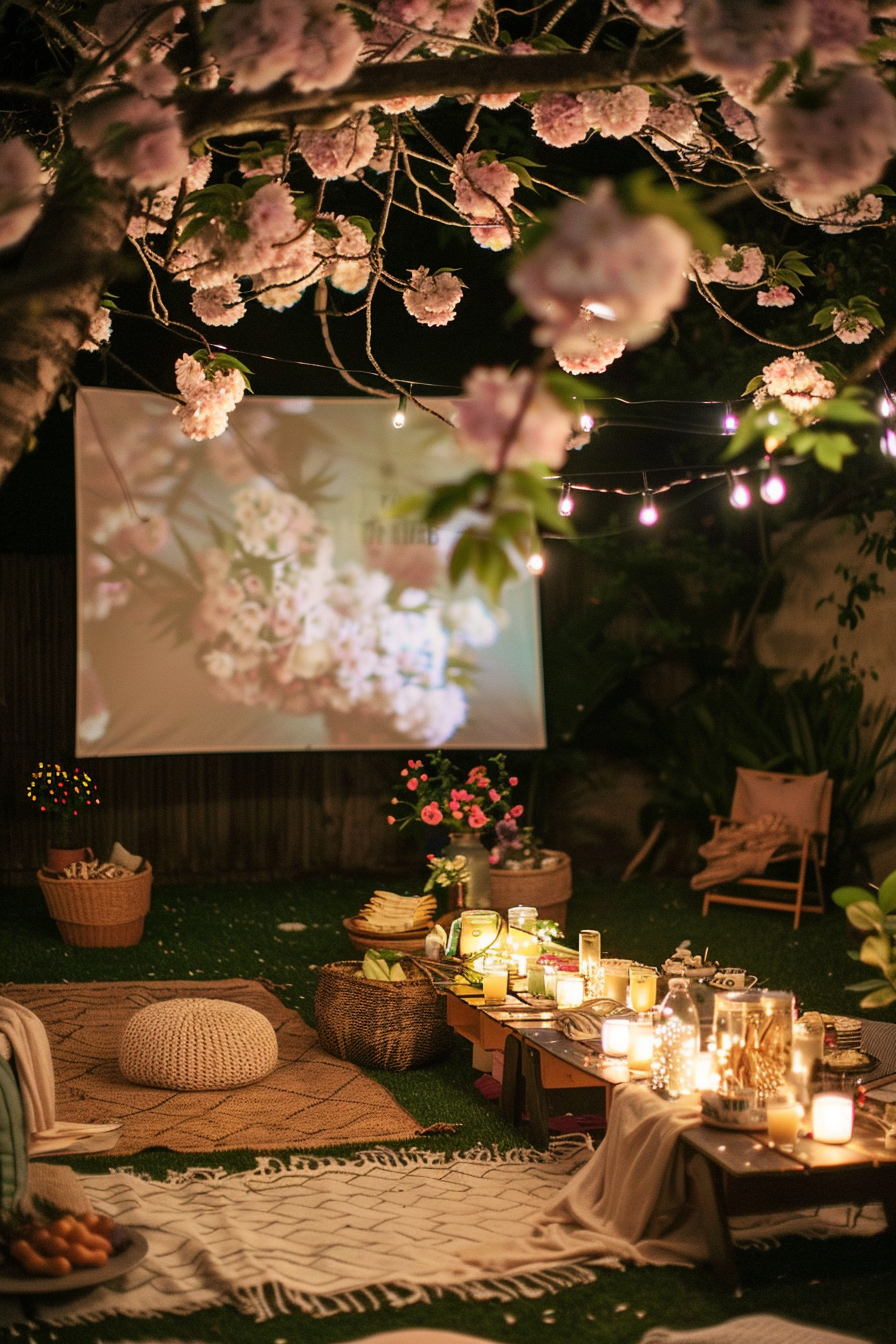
(589, 962)
(478, 930)
(640, 1046)
(783, 1117)
(570, 990)
(523, 944)
(707, 1073)
(808, 1046)
(832, 1116)
(642, 988)
(523, 917)
(616, 979)
(550, 982)
(614, 1036)
(522, 965)
(535, 981)
(494, 981)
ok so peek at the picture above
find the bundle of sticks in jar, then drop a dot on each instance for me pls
(760, 1061)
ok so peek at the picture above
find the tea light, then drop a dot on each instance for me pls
(570, 990)
(640, 1046)
(535, 981)
(832, 1117)
(642, 989)
(494, 981)
(614, 1036)
(550, 982)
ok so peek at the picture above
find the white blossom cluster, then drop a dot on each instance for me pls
(280, 625)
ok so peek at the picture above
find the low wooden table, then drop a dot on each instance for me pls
(733, 1174)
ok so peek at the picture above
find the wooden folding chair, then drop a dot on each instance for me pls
(789, 802)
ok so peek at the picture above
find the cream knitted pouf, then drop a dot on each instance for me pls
(197, 1045)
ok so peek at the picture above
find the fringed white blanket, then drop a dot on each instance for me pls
(331, 1235)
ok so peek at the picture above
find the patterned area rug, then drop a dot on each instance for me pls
(309, 1101)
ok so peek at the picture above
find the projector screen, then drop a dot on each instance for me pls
(253, 593)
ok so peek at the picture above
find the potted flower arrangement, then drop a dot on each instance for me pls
(525, 873)
(64, 795)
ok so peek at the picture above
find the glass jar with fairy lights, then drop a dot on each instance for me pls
(753, 1032)
(676, 1042)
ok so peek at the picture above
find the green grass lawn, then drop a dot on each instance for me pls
(222, 930)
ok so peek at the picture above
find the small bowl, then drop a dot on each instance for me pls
(405, 940)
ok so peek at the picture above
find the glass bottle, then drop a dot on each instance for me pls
(676, 1041)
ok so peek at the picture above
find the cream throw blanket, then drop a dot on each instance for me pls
(744, 850)
(34, 1070)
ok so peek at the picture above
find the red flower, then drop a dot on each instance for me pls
(477, 818)
(391, 821)
(403, 773)
(413, 784)
(494, 795)
(431, 815)
(424, 778)
(516, 811)
(513, 781)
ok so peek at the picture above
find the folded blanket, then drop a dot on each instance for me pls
(744, 850)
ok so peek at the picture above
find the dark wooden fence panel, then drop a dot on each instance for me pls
(258, 815)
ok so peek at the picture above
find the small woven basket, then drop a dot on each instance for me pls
(378, 1024)
(98, 911)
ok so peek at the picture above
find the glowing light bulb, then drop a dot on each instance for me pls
(399, 417)
(888, 443)
(772, 488)
(535, 563)
(772, 417)
(567, 503)
(885, 407)
(739, 496)
(730, 422)
(586, 422)
(649, 513)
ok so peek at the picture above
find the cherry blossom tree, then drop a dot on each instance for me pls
(224, 143)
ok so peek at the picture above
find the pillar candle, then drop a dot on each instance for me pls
(640, 1046)
(832, 1116)
(614, 1036)
(570, 991)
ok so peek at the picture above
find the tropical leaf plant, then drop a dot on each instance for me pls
(873, 913)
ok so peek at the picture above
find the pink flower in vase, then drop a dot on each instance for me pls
(477, 818)
(431, 814)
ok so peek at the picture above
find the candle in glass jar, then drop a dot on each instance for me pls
(640, 1046)
(589, 962)
(535, 981)
(832, 1117)
(783, 1120)
(706, 1077)
(642, 988)
(615, 979)
(614, 1036)
(550, 982)
(570, 990)
(807, 1047)
(478, 930)
(494, 981)
(523, 944)
(523, 917)
(522, 965)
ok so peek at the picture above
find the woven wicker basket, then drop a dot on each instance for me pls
(379, 1025)
(548, 889)
(99, 911)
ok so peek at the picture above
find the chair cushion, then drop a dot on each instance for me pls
(197, 1045)
(794, 797)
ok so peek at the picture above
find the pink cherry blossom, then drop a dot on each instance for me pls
(432, 299)
(270, 214)
(616, 114)
(658, 13)
(150, 31)
(311, 43)
(21, 190)
(219, 306)
(480, 187)
(100, 330)
(838, 27)
(743, 37)
(209, 399)
(149, 154)
(851, 329)
(511, 419)
(844, 216)
(559, 119)
(499, 101)
(835, 147)
(779, 297)
(739, 121)
(734, 266)
(346, 259)
(629, 269)
(341, 152)
(673, 125)
(152, 80)
(589, 346)
(160, 209)
(494, 237)
(798, 382)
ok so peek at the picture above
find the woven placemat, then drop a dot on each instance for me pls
(309, 1101)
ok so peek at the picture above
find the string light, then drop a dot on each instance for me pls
(535, 563)
(399, 417)
(885, 407)
(888, 443)
(648, 513)
(730, 422)
(567, 503)
(739, 496)
(772, 488)
(586, 422)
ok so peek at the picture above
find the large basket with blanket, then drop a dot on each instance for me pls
(380, 1024)
(98, 911)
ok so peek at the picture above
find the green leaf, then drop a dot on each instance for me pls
(846, 412)
(364, 224)
(571, 389)
(325, 228)
(877, 950)
(864, 915)
(886, 894)
(880, 998)
(776, 76)
(846, 896)
(517, 167)
(862, 986)
(753, 385)
(643, 194)
(462, 556)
